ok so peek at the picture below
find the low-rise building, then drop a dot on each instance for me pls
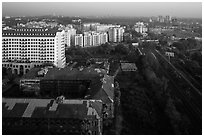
(128, 66)
(50, 116)
(30, 82)
(76, 83)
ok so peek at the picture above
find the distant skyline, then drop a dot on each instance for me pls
(128, 9)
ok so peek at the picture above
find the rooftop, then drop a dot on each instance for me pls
(31, 32)
(49, 108)
(128, 66)
(93, 80)
(72, 74)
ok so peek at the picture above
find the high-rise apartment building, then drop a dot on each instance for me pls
(116, 34)
(105, 27)
(23, 49)
(78, 40)
(140, 27)
(70, 33)
(168, 18)
(88, 40)
(103, 38)
(96, 39)
(90, 26)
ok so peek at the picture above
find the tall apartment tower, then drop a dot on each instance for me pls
(23, 49)
(78, 40)
(96, 39)
(103, 38)
(70, 33)
(140, 27)
(168, 18)
(60, 59)
(116, 34)
(88, 40)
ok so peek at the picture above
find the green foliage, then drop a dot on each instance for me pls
(106, 48)
(179, 46)
(197, 56)
(121, 49)
(4, 72)
(10, 75)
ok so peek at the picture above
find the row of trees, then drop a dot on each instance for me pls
(159, 93)
(105, 50)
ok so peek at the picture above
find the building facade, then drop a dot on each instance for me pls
(88, 40)
(26, 48)
(70, 33)
(51, 116)
(90, 26)
(103, 38)
(79, 40)
(140, 27)
(116, 34)
(105, 27)
(96, 39)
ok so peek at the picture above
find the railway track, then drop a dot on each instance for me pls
(192, 106)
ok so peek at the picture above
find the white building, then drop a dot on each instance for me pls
(88, 40)
(168, 18)
(90, 26)
(23, 49)
(116, 34)
(140, 27)
(105, 27)
(93, 38)
(78, 40)
(70, 33)
(103, 38)
(96, 39)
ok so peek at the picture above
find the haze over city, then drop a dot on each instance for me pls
(128, 9)
(108, 68)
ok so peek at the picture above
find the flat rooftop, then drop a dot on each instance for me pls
(31, 32)
(49, 108)
(73, 74)
(88, 83)
(128, 66)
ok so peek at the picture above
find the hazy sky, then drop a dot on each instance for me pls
(182, 9)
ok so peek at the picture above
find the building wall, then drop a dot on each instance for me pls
(87, 40)
(140, 27)
(19, 68)
(78, 40)
(103, 38)
(96, 39)
(116, 34)
(60, 59)
(35, 50)
(69, 36)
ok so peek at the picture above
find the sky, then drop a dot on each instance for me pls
(129, 9)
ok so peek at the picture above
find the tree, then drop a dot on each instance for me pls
(197, 56)
(10, 75)
(121, 49)
(4, 72)
(135, 34)
(107, 48)
(179, 46)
